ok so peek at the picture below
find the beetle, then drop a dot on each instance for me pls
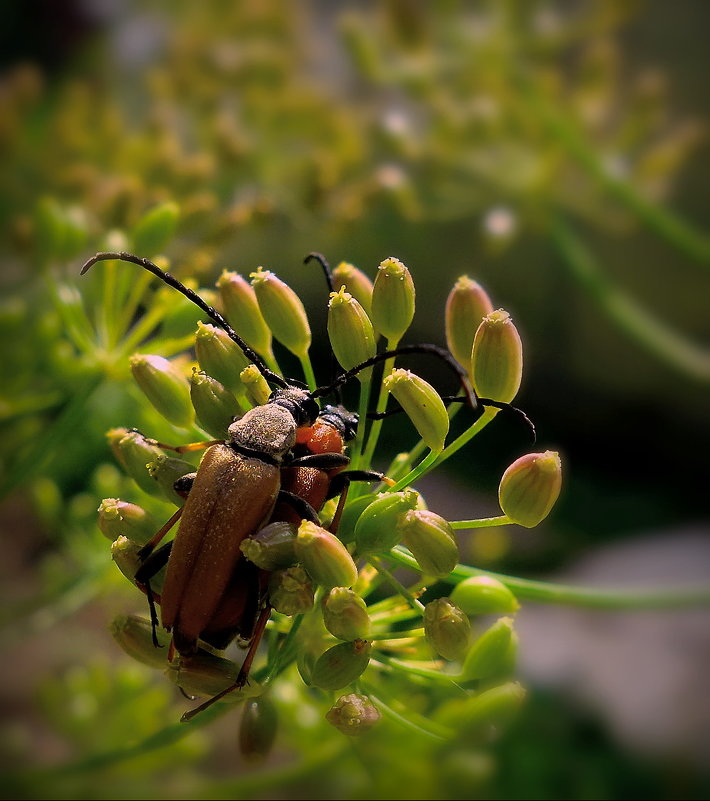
(238, 484)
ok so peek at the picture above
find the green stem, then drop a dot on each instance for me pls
(421, 469)
(663, 342)
(282, 657)
(410, 720)
(356, 449)
(415, 603)
(415, 670)
(397, 635)
(380, 407)
(308, 373)
(483, 522)
(463, 439)
(591, 597)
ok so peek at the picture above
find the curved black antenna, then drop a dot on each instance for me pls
(170, 280)
(504, 407)
(441, 353)
(321, 259)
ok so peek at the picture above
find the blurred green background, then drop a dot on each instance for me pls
(554, 151)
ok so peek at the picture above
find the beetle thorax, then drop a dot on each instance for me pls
(268, 429)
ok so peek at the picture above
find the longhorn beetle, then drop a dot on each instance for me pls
(238, 482)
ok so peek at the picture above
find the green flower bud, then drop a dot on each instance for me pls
(447, 629)
(392, 299)
(220, 357)
(165, 387)
(135, 636)
(134, 453)
(255, 385)
(484, 595)
(468, 303)
(353, 714)
(207, 674)
(114, 437)
(283, 311)
(241, 309)
(485, 715)
(497, 358)
(166, 470)
(324, 556)
(431, 540)
(422, 404)
(271, 548)
(351, 514)
(125, 554)
(488, 655)
(257, 729)
(351, 333)
(345, 614)
(376, 529)
(291, 591)
(341, 665)
(356, 283)
(155, 229)
(119, 518)
(215, 406)
(530, 486)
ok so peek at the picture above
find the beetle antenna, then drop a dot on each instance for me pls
(504, 407)
(321, 259)
(210, 311)
(441, 353)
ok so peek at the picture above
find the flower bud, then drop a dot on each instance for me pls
(351, 333)
(215, 406)
(341, 665)
(447, 628)
(207, 674)
(431, 540)
(530, 486)
(271, 548)
(165, 387)
(488, 655)
(484, 595)
(125, 554)
(324, 556)
(468, 303)
(119, 518)
(353, 714)
(356, 283)
(155, 229)
(134, 453)
(486, 714)
(291, 591)
(283, 311)
(241, 309)
(166, 470)
(255, 385)
(257, 729)
(392, 299)
(220, 357)
(422, 404)
(376, 529)
(345, 614)
(135, 636)
(114, 436)
(497, 358)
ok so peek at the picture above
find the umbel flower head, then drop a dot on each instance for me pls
(283, 530)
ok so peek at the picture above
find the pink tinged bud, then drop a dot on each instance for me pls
(447, 628)
(220, 357)
(291, 591)
(135, 636)
(530, 486)
(482, 717)
(324, 557)
(134, 453)
(215, 406)
(431, 540)
(122, 519)
(497, 358)
(351, 333)
(345, 614)
(356, 283)
(353, 714)
(392, 299)
(166, 470)
(376, 529)
(489, 655)
(422, 404)
(484, 595)
(283, 311)
(468, 303)
(165, 387)
(242, 311)
(257, 730)
(271, 548)
(114, 437)
(255, 385)
(341, 665)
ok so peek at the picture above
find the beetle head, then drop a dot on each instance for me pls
(341, 419)
(299, 402)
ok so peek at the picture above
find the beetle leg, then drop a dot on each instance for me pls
(302, 508)
(321, 461)
(147, 549)
(340, 482)
(144, 574)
